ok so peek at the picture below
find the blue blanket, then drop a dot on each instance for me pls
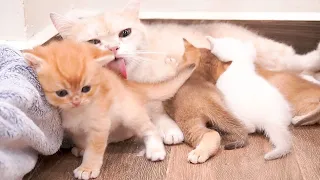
(28, 124)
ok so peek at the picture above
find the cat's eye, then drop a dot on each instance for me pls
(62, 93)
(125, 33)
(94, 41)
(86, 89)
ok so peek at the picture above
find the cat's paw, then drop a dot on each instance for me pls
(172, 136)
(86, 173)
(169, 130)
(156, 153)
(77, 152)
(198, 155)
(171, 61)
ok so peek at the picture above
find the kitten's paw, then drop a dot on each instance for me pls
(169, 130)
(198, 155)
(77, 152)
(156, 153)
(86, 173)
(172, 62)
(172, 136)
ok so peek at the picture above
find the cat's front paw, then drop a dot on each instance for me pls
(156, 153)
(198, 155)
(171, 61)
(86, 173)
(172, 136)
(169, 130)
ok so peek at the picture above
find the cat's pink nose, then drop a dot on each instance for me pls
(76, 103)
(114, 49)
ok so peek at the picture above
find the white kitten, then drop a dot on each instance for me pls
(259, 105)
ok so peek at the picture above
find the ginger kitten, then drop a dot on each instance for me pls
(252, 99)
(138, 44)
(94, 101)
(200, 112)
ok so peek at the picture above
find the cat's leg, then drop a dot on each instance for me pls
(140, 123)
(77, 152)
(169, 130)
(79, 144)
(205, 141)
(93, 153)
(280, 137)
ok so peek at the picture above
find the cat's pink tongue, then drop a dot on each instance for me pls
(120, 66)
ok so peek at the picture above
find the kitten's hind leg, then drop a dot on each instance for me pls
(205, 141)
(234, 133)
(281, 138)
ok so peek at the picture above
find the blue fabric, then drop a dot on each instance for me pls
(28, 124)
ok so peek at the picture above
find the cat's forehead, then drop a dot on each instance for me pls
(101, 26)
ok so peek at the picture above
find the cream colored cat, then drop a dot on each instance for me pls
(123, 33)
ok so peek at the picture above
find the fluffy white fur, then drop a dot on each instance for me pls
(258, 104)
(147, 45)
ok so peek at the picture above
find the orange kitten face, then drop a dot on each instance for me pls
(68, 72)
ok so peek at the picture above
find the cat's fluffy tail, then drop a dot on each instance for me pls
(165, 90)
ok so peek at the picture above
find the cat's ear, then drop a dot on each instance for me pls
(61, 23)
(210, 40)
(34, 61)
(187, 44)
(104, 60)
(132, 9)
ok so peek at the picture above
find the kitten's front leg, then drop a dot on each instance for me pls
(142, 126)
(93, 154)
(169, 130)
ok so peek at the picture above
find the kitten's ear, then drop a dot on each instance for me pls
(62, 23)
(132, 9)
(34, 61)
(211, 40)
(104, 60)
(187, 44)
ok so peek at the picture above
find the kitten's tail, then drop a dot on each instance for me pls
(311, 118)
(165, 90)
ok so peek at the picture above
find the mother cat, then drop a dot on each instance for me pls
(139, 46)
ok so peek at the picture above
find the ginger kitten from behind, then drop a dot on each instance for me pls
(200, 112)
(95, 101)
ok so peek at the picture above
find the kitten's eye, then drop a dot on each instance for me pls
(94, 41)
(86, 89)
(62, 93)
(125, 33)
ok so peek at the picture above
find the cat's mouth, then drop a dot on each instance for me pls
(119, 66)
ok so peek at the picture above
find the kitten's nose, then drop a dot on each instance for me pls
(75, 103)
(114, 49)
